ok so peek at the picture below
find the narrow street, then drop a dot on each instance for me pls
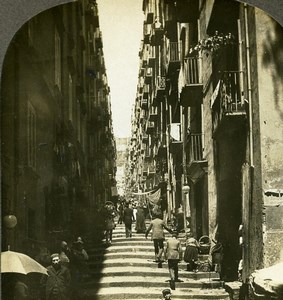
(126, 270)
(141, 109)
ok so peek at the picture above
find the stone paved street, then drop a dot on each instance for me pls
(126, 270)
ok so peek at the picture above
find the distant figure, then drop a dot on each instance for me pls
(166, 294)
(135, 212)
(216, 253)
(128, 220)
(43, 256)
(173, 253)
(191, 252)
(157, 225)
(121, 211)
(65, 254)
(57, 283)
(140, 220)
(109, 223)
(21, 290)
(179, 219)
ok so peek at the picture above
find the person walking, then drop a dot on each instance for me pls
(109, 223)
(140, 221)
(191, 253)
(121, 213)
(128, 220)
(157, 225)
(135, 212)
(57, 283)
(173, 253)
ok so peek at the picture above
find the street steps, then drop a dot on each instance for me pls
(126, 269)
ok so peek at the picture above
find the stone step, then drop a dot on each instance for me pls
(128, 270)
(152, 293)
(137, 262)
(144, 281)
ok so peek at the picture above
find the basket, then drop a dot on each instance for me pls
(204, 244)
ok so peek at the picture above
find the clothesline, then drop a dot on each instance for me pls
(144, 193)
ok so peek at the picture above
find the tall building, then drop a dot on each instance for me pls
(122, 150)
(207, 124)
(55, 120)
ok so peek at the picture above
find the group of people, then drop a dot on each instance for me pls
(67, 269)
(173, 250)
(129, 213)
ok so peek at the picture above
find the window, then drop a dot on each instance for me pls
(57, 59)
(31, 135)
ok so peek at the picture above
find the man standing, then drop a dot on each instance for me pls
(57, 283)
(157, 225)
(128, 220)
(173, 253)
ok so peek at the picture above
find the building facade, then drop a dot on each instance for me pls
(55, 120)
(207, 124)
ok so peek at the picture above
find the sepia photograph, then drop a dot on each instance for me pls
(141, 149)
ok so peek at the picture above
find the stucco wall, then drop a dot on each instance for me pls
(269, 37)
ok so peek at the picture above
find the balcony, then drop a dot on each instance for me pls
(160, 88)
(157, 34)
(146, 31)
(153, 116)
(144, 103)
(145, 138)
(173, 57)
(175, 143)
(196, 163)
(173, 94)
(227, 103)
(98, 42)
(148, 76)
(151, 168)
(191, 94)
(145, 91)
(144, 62)
(151, 59)
(161, 147)
(149, 17)
(150, 127)
(146, 39)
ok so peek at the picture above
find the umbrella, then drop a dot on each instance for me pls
(15, 262)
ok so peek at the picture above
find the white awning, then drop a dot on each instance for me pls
(215, 94)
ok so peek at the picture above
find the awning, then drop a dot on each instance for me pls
(215, 94)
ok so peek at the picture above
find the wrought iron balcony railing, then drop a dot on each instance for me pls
(191, 94)
(191, 71)
(195, 143)
(229, 98)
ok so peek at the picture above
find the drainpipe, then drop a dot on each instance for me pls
(250, 116)
(169, 187)
(184, 163)
(249, 84)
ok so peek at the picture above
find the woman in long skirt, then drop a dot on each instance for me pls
(191, 253)
(140, 220)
